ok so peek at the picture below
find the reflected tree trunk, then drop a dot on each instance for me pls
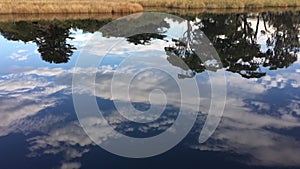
(257, 26)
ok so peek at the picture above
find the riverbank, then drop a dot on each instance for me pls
(104, 16)
(217, 4)
(67, 6)
(131, 6)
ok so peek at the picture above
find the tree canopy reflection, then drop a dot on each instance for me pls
(234, 37)
(51, 37)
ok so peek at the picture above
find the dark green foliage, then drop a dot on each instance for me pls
(50, 36)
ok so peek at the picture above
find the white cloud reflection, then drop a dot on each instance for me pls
(246, 131)
(24, 95)
(70, 165)
(242, 130)
(60, 140)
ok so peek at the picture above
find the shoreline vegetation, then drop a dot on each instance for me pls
(67, 6)
(131, 6)
(101, 16)
(217, 4)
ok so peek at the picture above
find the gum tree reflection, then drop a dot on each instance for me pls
(235, 37)
(235, 42)
(239, 49)
(284, 42)
(182, 49)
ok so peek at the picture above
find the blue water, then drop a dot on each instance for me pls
(259, 127)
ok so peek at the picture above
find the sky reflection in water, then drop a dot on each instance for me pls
(259, 127)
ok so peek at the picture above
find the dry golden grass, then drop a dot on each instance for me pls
(223, 10)
(217, 4)
(102, 16)
(56, 16)
(67, 6)
(129, 6)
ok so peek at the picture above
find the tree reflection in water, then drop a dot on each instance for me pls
(234, 36)
(50, 36)
(52, 43)
(236, 43)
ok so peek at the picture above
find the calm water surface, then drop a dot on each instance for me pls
(260, 125)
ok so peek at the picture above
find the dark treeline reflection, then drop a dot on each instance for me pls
(240, 41)
(234, 36)
(50, 36)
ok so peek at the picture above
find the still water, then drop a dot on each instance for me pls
(259, 53)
